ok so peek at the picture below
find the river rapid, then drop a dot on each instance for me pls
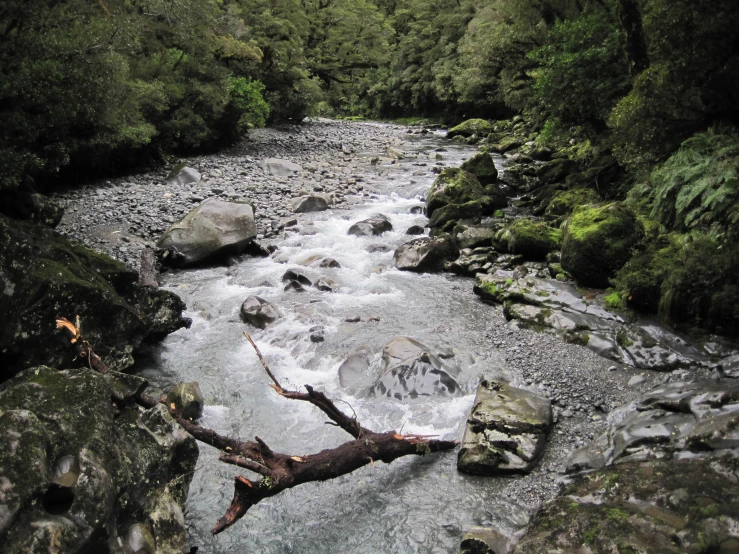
(415, 504)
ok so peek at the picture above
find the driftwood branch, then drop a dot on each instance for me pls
(279, 471)
(83, 348)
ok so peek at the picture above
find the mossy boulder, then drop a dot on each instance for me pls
(556, 170)
(447, 217)
(532, 239)
(471, 127)
(79, 471)
(453, 186)
(44, 276)
(482, 166)
(598, 241)
(563, 203)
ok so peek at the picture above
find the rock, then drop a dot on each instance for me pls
(329, 262)
(506, 431)
(598, 241)
(354, 369)
(415, 230)
(471, 127)
(183, 175)
(258, 312)
(480, 540)
(563, 203)
(188, 400)
(556, 170)
(306, 204)
(78, 472)
(410, 371)
(212, 231)
(425, 254)
(317, 334)
(372, 248)
(541, 154)
(44, 276)
(291, 275)
(473, 236)
(418, 210)
(280, 168)
(24, 203)
(453, 186)
(532, 239)
(373, 226)
(636, 380)
(394, 153)
(326, 285)
(482, 166)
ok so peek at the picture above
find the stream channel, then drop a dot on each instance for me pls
(416, 504)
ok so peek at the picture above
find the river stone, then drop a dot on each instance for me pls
(214, 230)
(410, 371)
(452, 186)
(187, 399)
(471, 127)
(44, 276)
(326, 285)
(292, 275)
(258, 312)
(354, 369)
(473, 236)
(373, 226)
(306, 204)
(415, 230)
(506, 431)
(482, 166)
(425, 254)
(329, 263)
(280, 168)
(183, 176)
(394, 154)
(81, 470)
(481, 540)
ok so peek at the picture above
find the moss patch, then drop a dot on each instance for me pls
(533, 239)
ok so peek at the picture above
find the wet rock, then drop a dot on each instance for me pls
(473, 236)
(329, 263)
(556, 170)
(212, 231)
(372, 248)
(532, 239)
(292, 275)
(326, 285)
(373, 226)
(311, 203)
(354, 370)
(188, 400)
(480, 540)
(453, 186)
(482, 166)
(506, 430)
(470, 127)
(258, 312)
(415, 230)
(280, 168)
(317, 334)
(598, 241)
(474, 262)
(418, 210)
(426, 254)
(410, 370)
(394, 153)
(183, 176)
(44, 276)
(79, 470)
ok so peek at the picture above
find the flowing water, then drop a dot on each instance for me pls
(415, 504)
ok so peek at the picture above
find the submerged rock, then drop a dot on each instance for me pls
(506, 430)
(258, 312)
(410, 371)
(44, 276)
(373, 226)
(212, 231)
(425, 254)
(79, 472)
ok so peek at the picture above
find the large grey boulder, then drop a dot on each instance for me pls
(184, 176)
(258, 312)
(280, 168)
(425, 254)
(310, 203)
(410, 370)
(78, 472)
(213, 230)
(373, 226)
(506, 431)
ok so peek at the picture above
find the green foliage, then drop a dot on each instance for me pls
(246, 98)
(698, 185)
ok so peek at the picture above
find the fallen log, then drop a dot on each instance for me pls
(279, 471)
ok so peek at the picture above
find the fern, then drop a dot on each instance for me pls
(699, 185)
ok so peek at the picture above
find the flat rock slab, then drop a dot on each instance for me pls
(506, 431)
(280, 168)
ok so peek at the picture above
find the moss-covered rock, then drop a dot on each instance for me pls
(471, 127)
(453, 186)
(563, 203)
(79, 470)
(532, 239)
(598, 241)
(447, 217)
(556, 170)
(482, 166)
(43, 276)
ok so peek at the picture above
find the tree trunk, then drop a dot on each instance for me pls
(635, 45)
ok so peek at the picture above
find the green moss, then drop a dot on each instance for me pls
(542, 293)
(712, 510)
(499, 214)
(623, 339)
(614, 301)
(590, 535)
(532, 239)
(617, 515)
(471, 127)
(565, 202)
(482, 166)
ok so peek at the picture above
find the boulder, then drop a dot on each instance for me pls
(482, 166)
(183, 175)
(44, 276)
(212, 231)
(292, 275)
(425, 254)
(481, 540)
(471, 127)
(506, 430)
(329, 262)
(473, 236)
(556, 170)
(410, 370)
(310, 203)
(373, 226)
(452, 186)
(280, 168)
(188, 400)
(532, 239)
(326, 285)
(563, 203)
(80, 472)
(598, 241)
(447, 217)
(25, 203)
(415, 230)
(258, 312)
(354, 369)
